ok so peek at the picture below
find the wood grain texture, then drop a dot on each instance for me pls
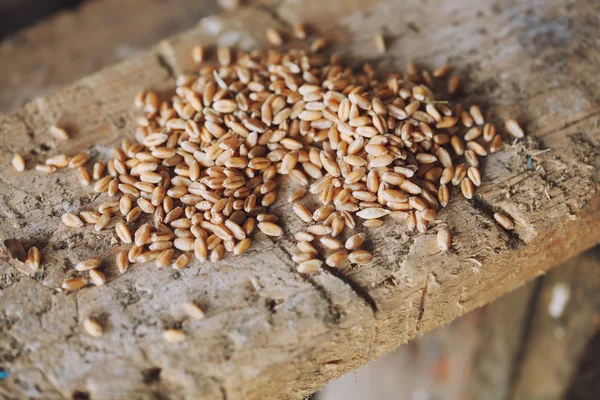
(270, 332)
(80, 41)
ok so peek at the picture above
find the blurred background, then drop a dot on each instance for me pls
(539, 342)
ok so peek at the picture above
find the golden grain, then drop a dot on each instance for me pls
(504, 221)
(309, 266)
(93, 327)
(174, 335)
(88, 264)
(513, 127)
(18, 162)
(444, 239)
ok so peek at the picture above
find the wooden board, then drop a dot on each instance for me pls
(77, 42)
(269, 331)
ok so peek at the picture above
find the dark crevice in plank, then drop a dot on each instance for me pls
(361, 292)
(334, 313)
(528, 321)
(422, 304)
(162, 61)
(356, 288)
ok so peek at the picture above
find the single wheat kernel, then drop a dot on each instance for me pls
(444, 239)
(59, 133)
(193, 310)
(93, 327)
(360, 257)
(88, 264)
(513, 127)
(504, 221)
(72, 220)
(122, 262)
(18, 162)
(337, 259)
(97, 277)
(309, 266)
(33, 258)
(174, 335)
(74, 283)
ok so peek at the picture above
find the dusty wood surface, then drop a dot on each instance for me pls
(77, 42)
(270, 332)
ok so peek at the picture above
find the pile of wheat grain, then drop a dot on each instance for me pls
(205, 165)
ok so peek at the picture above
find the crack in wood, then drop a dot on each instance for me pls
(162, 61)
(422, 306)
(360, 291)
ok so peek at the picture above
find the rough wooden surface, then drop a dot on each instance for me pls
(270, 332)
(80, 41)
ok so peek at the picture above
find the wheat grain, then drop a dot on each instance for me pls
(174, 335)
(513, 127)
(93, 327)
(504, 221)
(18, 162)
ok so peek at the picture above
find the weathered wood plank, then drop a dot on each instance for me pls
(270, 332)
(77, 42)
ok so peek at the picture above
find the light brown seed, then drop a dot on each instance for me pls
(123, 232)
(198, 54)
(476, 114)
(72, 220)
(88, 264)
(489, 132)
(83, 176)
(79, 160)
(444, 239)
(242, 246)
(372, 213)
(360, 257)
(93, 327)
(380, 43)
(467, 188)
(309, 266)
(274, 37)
(193, 310)
(164, 258)
(270, 229)
(33, 258)
(59, 132)
(296, 195)
(337, 259)
(513, 127)
(302, 212)
(355, 241)
(98, 278)
(18, 162)
(184, 243)
(74, 283)
(504, 221)
(182, 261)
(331, 243)
(174, 335)
(443, 195)
(122, 262)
